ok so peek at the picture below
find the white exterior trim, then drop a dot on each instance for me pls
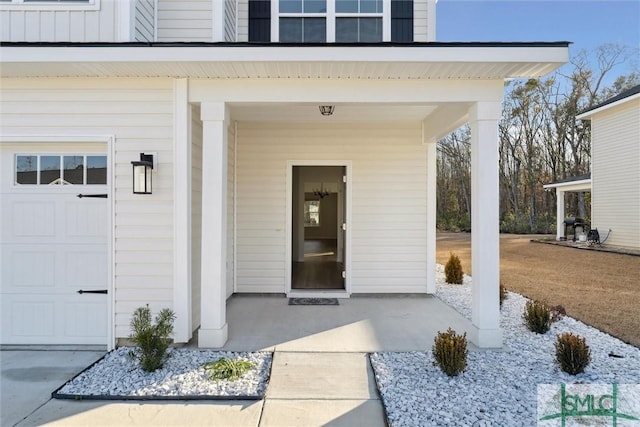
(588, 114)
(348, 165)
(217, 20)
(431, 223)
(582, 185)
(182, 212)
(20, 5)
(126, 11)
(109, 140)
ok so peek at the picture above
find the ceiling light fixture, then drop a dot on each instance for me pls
(327, 110)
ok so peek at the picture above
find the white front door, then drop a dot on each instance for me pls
(54, 264)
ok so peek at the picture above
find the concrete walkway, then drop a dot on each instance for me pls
(321, 374)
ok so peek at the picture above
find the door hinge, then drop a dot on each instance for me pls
(344, 226)
(96, 196)
(99, 291)
(344, 274)
(344, 178)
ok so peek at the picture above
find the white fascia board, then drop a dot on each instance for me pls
(582, 185)
(409, 54)
(589, 114)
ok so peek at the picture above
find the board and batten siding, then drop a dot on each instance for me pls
(388, 193)
(196, 215)
(138, 112)
(145, 17)
(615, 153)
(185, 20)
(78, 24)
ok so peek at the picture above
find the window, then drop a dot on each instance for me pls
(321, 21)
(49, 169)
(312, 213)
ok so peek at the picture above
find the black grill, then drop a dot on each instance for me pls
(575, 223)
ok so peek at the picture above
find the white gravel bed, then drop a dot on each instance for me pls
(498, 388)
(118, 375)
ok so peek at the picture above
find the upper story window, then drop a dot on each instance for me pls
(320, 21)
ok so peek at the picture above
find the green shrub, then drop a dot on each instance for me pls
(537, 316)
(228, 369)
(152, 339)
(450, 352)
(453, 269)
(572, 353)
(503, 294)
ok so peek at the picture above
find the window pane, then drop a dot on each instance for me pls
(370, 30)
(74, 169)
(312, 213)
(346, 6)
(315, 30)
(370, 6)
(27, 169)
(97, 170)
(346, 30)
(291, 30)
(315, 6)
(290, 6)
(49, 169)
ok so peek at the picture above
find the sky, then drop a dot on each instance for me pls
(586, 23)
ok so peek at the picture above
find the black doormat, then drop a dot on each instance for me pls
(313, 301)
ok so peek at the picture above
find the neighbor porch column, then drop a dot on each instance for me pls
(485, 233)
(431, 214)
(213, 326)
(560, 215)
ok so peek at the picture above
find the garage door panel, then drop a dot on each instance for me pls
(86, 319)
(85, 220)
(32, 219)
(32, 269)
(85, 269)
(29, 319)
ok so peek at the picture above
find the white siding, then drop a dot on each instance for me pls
(230, 20)
(185, 20)
(138, 112)
(196, 214)
(388, 201)
(78, 24)
(145, 20)
(242, 29)
(615, 150)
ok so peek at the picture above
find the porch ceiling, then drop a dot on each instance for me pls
(467, 61)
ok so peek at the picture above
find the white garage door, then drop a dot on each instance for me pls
(54, 244)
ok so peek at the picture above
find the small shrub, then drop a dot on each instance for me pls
(228, 369)
(557, 313)
(450, 352)
(537, 316)
(503, 294)
(152, 339)
(453, 269)
(572, 353)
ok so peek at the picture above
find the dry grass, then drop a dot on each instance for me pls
(601, 289)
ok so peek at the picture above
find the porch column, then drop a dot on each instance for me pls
(431, 214)
(213, 326)
(560, 215)
(485, 234)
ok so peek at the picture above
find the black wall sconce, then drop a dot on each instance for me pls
(142, 183)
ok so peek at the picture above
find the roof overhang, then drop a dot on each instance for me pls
(571, 186)
(469, 61)
(588, 114)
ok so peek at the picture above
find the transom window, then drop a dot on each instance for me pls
(67, 169)
(320, 21)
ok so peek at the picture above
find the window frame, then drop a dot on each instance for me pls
(308, 225)
(61, 156)
(50, 5)
(330, 17)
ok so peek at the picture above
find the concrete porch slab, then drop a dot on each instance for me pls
(334, 413)
(321, 376)
(358, 324)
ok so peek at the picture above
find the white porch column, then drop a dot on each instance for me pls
(431, 214)
(485, 234)
(213, 326)
(560, 215)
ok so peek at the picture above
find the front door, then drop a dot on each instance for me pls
(54, 244)
(318, 224)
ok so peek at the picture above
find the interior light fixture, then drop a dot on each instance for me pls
(327, 110)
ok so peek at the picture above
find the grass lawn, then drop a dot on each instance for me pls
(600, 289)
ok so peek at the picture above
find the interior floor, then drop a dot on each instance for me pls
(320, 269)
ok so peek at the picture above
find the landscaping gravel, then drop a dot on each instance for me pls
(498, 388)
(118, 375)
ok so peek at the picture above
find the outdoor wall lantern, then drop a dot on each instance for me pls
(326, 110)
(142, 174)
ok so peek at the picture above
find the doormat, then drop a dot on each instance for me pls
(313, 301)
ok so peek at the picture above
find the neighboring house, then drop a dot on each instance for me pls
(226, 96)
(614, 180)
